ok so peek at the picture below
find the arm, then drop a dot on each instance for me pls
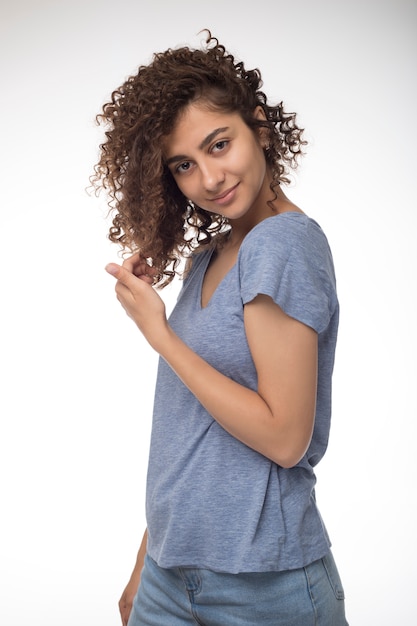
(276, 420)
(128, 595)
(285, 355)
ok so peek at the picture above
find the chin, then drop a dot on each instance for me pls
(237, 215)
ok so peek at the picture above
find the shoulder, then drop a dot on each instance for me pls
(285, 235)
(290, 226)
(287, 257)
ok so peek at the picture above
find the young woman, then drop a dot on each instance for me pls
(194, 161)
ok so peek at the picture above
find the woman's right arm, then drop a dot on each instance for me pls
(128, 595)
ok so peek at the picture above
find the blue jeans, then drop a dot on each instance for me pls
(310, 596)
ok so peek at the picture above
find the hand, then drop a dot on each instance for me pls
(135, 293)
(126, 600)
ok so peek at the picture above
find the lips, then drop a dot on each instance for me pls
(227, 196)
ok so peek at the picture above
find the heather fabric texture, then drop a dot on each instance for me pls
(212, 502)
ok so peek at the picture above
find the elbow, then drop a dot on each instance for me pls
(289, 461)
(286, 458)
(288, 452)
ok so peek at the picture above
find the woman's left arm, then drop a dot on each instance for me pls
(276, 420)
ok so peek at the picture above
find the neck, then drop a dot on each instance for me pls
(241, 227)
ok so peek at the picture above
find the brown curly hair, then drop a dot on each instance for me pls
(151, 213)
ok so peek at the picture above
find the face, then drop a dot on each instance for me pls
(218, 162)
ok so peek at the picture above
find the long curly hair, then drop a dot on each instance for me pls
(150, 213)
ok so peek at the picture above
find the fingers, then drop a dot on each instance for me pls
(135, 266)
(124, 277)
(146, 278)
(125, 609)
(140, 300)
(138, 265)
(124, 614)
(113, 269)
(127, 277)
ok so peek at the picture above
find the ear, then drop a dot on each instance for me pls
(259, 114)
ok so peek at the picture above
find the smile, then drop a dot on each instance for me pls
(225, 197)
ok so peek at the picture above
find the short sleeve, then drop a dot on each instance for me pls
(287, 257)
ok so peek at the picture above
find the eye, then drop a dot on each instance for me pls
(183, 167)
(220, 145)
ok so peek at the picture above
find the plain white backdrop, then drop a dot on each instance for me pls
(77, 378)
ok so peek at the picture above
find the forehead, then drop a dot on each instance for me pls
(195, 122)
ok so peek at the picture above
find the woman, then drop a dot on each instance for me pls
(194, 162)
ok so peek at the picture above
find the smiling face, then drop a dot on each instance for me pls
(218, 163)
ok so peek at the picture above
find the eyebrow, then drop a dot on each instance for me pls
(203, 144)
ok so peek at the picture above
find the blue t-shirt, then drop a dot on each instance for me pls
(213, 502)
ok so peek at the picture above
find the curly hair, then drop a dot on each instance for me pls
(150, 212)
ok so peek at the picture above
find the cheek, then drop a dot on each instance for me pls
(257, 164)
(184, 186)
(187, 186)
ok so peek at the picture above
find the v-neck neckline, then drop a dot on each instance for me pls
(219, 284)
(210, 256)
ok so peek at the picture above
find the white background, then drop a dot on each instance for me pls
(77, 378)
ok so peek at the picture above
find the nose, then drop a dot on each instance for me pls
(212, 175)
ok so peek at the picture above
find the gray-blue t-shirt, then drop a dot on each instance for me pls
(213, 502)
